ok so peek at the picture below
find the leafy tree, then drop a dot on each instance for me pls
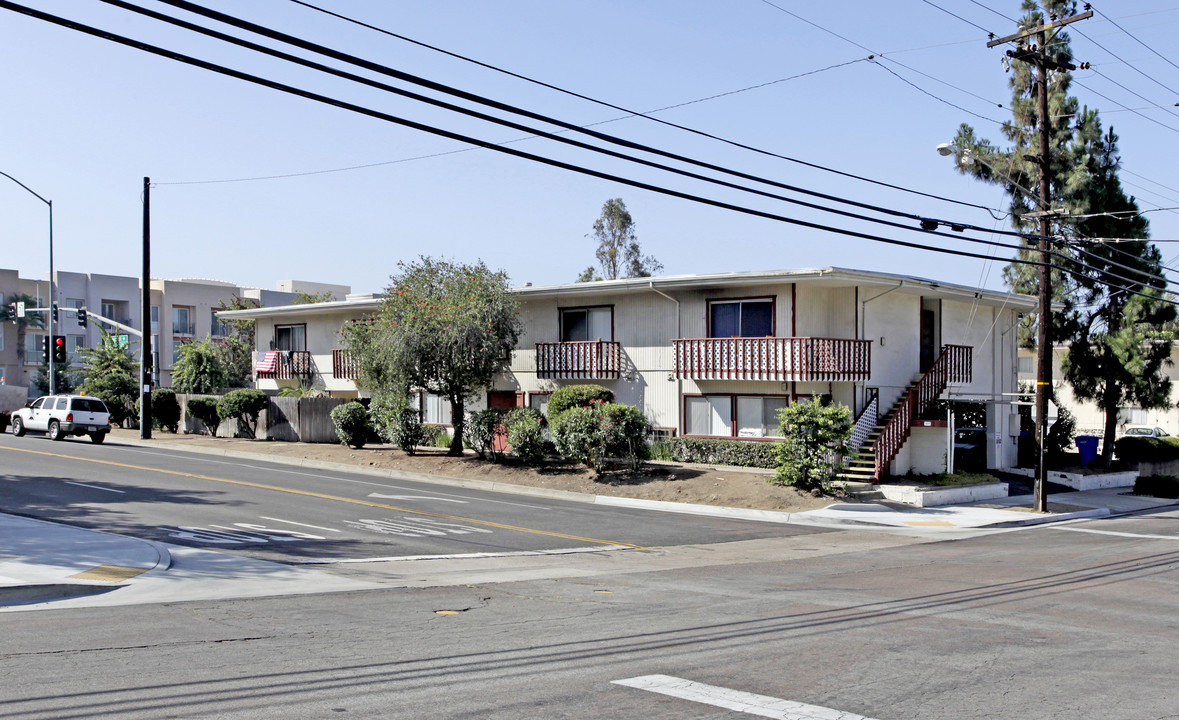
(64, 379)
(815, 436)
(306, 298)
(237, 348)
(442, 327)
(110, 374)
(199, 369)
(619, 254)
(32, 320)
(1110, 293)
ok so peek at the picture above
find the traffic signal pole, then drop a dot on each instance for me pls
(145, 350)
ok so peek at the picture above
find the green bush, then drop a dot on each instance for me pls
(1146, 449)
(572, 396)
(165, 410)
(1159, 486)
(480, 430)
(408, 432)
(592, 434)
(352, 425)
(815, 436)
(719, 451)
(205, 410)
(243, 405)
(526, 435)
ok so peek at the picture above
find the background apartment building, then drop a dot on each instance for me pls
(182, 311)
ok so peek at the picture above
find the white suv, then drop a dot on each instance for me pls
(61, 415)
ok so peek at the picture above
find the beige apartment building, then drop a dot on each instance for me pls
(182, 311)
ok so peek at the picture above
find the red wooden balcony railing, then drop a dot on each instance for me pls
(599, 359)
(801, 359)
(291, 364)
(344, 365)
(954, 365)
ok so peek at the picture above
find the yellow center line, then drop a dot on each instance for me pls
(324, 496)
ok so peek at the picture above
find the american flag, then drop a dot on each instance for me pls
(268, 363)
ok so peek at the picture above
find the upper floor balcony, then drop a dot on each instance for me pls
(588, 360)
(344, 365)
(285, 365)
(778, 359)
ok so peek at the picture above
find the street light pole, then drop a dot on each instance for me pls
(51, 293)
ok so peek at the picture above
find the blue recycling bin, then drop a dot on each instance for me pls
(1087, 445)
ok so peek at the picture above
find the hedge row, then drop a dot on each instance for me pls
(1145, 449)
(719, 451)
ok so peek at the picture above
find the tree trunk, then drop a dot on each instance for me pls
(456, 422)
(1111, 392)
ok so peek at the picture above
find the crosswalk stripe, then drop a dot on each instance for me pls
(748, 703)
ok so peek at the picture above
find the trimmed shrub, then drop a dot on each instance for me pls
(1146, 449)
(352, 425)
(407, 432)
(243, 405)
(720, 451)
(526, 435)
(812, 452)
(205, 410)
(480, 430)
(572, 396)
(1159, 486)
(165, 409)
(591, 434)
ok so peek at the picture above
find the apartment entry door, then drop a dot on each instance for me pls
(931, 330)
(503, 400)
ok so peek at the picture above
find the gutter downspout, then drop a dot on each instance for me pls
(679, 396)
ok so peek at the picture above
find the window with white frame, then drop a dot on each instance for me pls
(583, 324)
(290, 337)
(34, 348)
(435, 409)
(751, 416)
(155, 318)
(757, 416)
(182, 320)
(216, 327)
(540, 402)
(741, 318)
(74, 343)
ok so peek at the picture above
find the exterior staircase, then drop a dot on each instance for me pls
(880, 436)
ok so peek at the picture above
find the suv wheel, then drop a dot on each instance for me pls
(97, 437)
(18, 427)
(55, 432)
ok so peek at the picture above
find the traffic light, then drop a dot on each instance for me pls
(11, 312)
(54, 312)
(45, 348)
(59, 349)
(82, 316)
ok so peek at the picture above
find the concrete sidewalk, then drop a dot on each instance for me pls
(42, 561)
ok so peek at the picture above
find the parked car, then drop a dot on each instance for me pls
(1144, 431)
(62, 415)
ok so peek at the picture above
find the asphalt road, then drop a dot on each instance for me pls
(1054, 622)
(277, 512)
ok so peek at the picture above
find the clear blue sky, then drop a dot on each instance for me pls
(85, 120)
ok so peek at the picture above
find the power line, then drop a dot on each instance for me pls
(1133, 37)
(267, 32)
(648, 116)
(241, 75)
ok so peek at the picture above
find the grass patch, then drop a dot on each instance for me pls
(1159, 486)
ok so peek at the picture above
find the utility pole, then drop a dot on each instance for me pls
(1037, 55)
(145, 348)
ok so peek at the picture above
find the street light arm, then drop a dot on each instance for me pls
(26, 187)
(948, 149)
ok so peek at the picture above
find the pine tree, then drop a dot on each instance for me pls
(1110, 293)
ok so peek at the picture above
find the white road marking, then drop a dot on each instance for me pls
(459, 556)
(95, 487)
(1119, 534)
(749, 703)
(416, 497)
(292, 522)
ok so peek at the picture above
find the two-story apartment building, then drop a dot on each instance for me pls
(719, 355)
(181, 311)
